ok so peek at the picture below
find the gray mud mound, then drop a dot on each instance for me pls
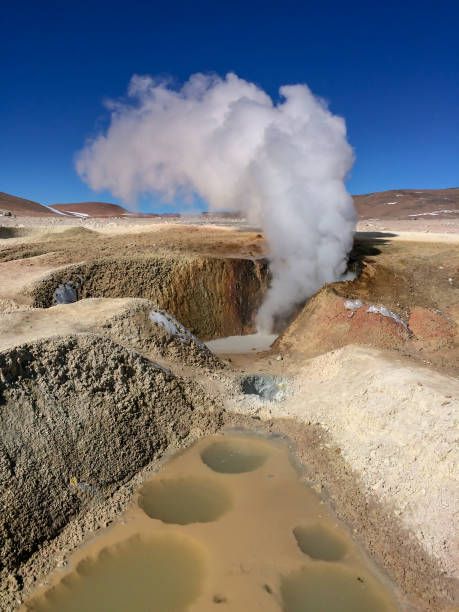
(79, 415)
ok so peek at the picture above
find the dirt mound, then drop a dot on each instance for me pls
(408, 278)
(329, 322)
(408, 204)
(211, 297)
(128, 322)
(325, 324)
(81, 409)
(71, 232)
(24, 208)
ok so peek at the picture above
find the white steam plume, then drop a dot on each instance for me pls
(283, 165)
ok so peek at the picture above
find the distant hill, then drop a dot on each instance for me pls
(103, 209)
(394, 204)
(408, 204)
(27, 208)
(93, 209)
(23, 208)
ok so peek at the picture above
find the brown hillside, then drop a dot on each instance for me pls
(408, 204)
(22, 207)
(394, 204)
(93, 209)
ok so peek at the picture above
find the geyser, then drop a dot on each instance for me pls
(281, 164)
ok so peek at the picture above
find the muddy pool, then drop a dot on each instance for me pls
(241, 344)
(226, 524)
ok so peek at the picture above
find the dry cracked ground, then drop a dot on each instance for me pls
(96, 393)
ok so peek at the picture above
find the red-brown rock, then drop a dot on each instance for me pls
(432, 327)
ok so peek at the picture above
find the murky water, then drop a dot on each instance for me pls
(320, 542)
(225, 522)
(234, 456)
(330, 588)
(184, 500)
(241, 344)
(141, 574)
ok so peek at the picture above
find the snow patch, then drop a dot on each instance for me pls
(78, 214)
(389, 203)
(435, 212)
(68, 213)
(59, 212)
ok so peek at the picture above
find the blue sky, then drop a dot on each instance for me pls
(390, 69)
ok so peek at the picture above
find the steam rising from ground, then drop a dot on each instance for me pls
(282, 165)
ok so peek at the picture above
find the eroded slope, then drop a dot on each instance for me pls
(82, 407)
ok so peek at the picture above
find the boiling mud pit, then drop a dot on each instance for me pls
(265, 386)
(226, 522)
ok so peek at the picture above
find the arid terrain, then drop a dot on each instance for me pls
(410, 204)
(406, 204)
(99, 381)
